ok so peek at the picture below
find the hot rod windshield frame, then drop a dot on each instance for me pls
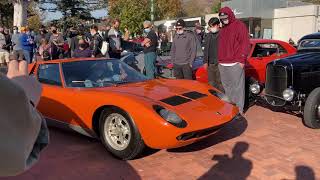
(309, 44)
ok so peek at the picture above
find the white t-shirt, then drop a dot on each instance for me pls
(229, 64)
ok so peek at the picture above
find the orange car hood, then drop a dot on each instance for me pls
(153, 89)
(206, 108)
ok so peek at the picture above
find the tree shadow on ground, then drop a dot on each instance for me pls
(234, 167)
(230, 131)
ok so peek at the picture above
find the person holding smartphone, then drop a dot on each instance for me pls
(27, 42)
(23, 132)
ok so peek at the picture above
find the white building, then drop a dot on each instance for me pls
(276, 19)
(295, 22)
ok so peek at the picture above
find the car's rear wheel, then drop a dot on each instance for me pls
(120, 135)
(312, 110)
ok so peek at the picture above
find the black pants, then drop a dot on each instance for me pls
(214, 77)
(183, 71)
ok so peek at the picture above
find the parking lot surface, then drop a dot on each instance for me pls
(262, 145)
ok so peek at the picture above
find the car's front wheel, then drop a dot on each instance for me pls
(120, 135)
(312, 110)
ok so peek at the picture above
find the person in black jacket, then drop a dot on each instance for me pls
(211, 54)
(96, 43)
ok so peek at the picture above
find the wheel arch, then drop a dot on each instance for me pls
(97, 114)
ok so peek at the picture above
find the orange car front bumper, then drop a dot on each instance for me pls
(183, 139)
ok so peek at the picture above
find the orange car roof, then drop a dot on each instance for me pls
(265, 41)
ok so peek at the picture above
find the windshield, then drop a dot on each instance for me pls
(309, 44)
(99, 73)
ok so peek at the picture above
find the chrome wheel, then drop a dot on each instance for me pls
(117, 131)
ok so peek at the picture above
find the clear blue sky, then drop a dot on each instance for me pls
(57, 15)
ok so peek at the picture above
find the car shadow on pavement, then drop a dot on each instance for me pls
(234, 167)
(230, 131)
(74, 156)
(277, 109)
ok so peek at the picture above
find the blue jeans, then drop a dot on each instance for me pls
(28, 56)
(150, 64)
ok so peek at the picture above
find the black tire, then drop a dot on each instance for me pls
(310, 116)
(136, 144)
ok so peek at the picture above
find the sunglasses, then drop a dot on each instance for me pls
(222, 19)
(179, 28)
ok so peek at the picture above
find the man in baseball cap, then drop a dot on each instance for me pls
(183, 51)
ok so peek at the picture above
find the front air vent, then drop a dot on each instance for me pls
(194, 95)
(175, 100)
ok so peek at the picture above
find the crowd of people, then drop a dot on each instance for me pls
(226, 49)
(50, 44)
(225, 52)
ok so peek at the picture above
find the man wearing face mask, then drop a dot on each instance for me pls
(183, 51)
(211, 54)
(150, 44)
(233, 51)
(56, 41)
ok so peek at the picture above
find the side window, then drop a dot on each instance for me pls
(268, 49)
(49, 74)
(282, 50)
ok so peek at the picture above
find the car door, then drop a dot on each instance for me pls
(57, 102)
(261, 55)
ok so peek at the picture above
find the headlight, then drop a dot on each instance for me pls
(221, 96)
(255, 88)
(288, 94)
(170, 116)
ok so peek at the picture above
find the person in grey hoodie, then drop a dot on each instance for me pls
(183, 51)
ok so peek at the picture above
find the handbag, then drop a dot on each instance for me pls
(105, 48)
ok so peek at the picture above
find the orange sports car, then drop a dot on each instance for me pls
(107, 99)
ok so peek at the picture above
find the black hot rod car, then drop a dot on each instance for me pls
(293, 83)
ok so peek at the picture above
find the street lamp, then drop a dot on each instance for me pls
(152, 10)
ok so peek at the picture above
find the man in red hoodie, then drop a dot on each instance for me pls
(233, 50)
